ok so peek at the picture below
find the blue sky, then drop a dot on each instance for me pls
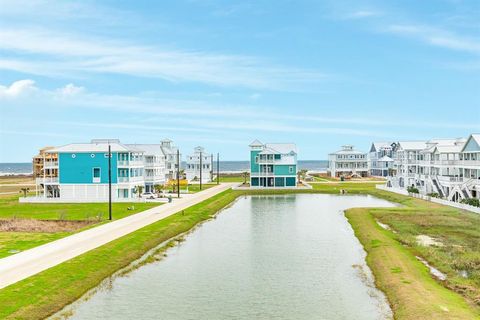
(223, 73)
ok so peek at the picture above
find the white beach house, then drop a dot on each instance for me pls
(199, 164)
(348, 162)
(380, 158)
(449, 168)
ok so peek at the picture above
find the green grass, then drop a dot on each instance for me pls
(410, 289)
(11, 208)
(232, 178)
(47, 292)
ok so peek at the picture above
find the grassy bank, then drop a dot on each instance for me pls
(10, 208)
(411, 291)
(49, 291)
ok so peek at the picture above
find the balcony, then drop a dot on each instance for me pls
(130, 179)
(450, 179)
(47, 180)
(130, 163)
(48, 164)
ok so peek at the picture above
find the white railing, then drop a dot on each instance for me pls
(449, 179)
(129, 163)
(432, 199)
(130, 179)
(50, 164)
(46, 180)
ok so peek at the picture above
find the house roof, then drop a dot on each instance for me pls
(413, 145)
(378, 145)
(448, 149)
(475, 137)
(93, 147)
(256, 143)
(283, 148)
(149, 149)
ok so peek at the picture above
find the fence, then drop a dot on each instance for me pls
(404, 192)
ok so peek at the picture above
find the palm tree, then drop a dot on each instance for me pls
(25, 191)
(245, 176)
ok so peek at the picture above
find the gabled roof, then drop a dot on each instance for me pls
(448, 149)
(256, 143)
(413, 145)
(149, 149)
(283, 148)
(474, 138)
(378, 145)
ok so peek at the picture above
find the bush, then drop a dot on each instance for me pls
(412, 189)
(433, 195)
(471, 201)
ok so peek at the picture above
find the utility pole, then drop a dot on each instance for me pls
(178, 173)
(218, 168)
(211, 167)
(201, 170)
(109, 182)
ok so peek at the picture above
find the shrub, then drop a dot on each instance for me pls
(471, 201)
(412, 189)
(433, 195)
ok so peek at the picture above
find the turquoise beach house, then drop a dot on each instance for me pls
(273, 165)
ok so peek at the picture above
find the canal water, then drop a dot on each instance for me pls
(265, 257)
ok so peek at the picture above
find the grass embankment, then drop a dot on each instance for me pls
(49, 291)
(10, 208)
(411, 291)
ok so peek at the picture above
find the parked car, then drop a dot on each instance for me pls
(149, 195)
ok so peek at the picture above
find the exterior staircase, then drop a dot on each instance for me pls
(438, 187)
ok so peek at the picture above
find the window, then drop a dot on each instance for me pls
(256, 159)
(96, 172)
(74, 155)
(290, 169)
(92, 155)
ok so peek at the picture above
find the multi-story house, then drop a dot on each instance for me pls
(45, 171)
(381, 160)
(199, 164)
(83, 172)
(273, 165)
(172, 158)
(348, 162)
(447, 167)
(154, 162)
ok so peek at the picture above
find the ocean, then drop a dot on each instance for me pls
(225, 166)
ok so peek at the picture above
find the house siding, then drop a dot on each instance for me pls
(79, 169)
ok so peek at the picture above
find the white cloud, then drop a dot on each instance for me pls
(437, 37)
(70, 90)
(71, 54)
(18, 88)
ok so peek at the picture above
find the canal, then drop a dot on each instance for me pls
(265, 257)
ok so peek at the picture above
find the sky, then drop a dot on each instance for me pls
(221, 74)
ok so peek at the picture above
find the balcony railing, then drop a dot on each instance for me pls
(46, 180)
(130, 179)
(50, 164)
(129, 163)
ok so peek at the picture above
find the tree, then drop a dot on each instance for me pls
(245, 176)
(140, 191)
(158, 188)
(25, 191)
(302, 174)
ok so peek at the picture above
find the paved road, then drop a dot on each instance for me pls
(27, 263)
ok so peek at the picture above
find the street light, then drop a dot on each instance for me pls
(178, 173)
(200, 170)
(109, 182)
(218, 168)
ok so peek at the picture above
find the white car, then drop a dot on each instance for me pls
(149, 195)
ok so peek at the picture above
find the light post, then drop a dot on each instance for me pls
(178, 173)
(109, 182)
(200, 170)
(218, 168)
